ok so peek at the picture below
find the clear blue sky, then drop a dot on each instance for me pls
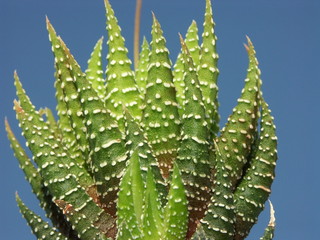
(286, 35)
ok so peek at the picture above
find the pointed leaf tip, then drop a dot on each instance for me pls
(272, 222)
(249, 40)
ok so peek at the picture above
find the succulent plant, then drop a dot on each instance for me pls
(139, 154)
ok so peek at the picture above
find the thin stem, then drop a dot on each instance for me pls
(137, 33)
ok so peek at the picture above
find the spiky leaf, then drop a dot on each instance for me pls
(219, 219)
(237, 137)
(178, 72)
(130, 200)
(269, 231)
(176, 210)
(152, 226)
(94, 71)
(136, 140)
(121, 88)
(208, 71)
(141, 75)
(255, 186)
(64, 82)
(64, 179)
(107, 151)
(40, 228)
(161, 118)
(36, 183)
(193, 152)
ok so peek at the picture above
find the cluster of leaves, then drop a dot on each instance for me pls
(139, 155)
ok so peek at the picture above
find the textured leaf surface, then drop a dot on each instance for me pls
(40, 228)
(269, 231)
(219, 219)
(192, 42)
(153, 212)
(255, 186)
(60, 174)
(136, 140)
(176, 210)
(73, 215)
(107, 151)
(193, 152)
(121, 88)
(36, 183)
(64, 122)
(76, 143)
(141, 75)
(208, 71)
(124, 232)
(161, 118)
(51, 121)
(237, 137)
(94, 71)
(130, 200)
(30, 171)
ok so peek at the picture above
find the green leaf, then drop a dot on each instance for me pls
(255, 186)
(130, 200)
(142, 70)
(176, 210)
(64, 122)
(94, 71)
(193, 152)
(269, 231)
(73, 215)
(36, 183)
(152, 226)
(161, 118)
(208, 71)
(124, 232)
(107, 158)
(121, 88)
(238, 135)
(51, 121)
(61, 175)
(136, 140)
(68, 93)
(41, 229)
(219, 219)
(30, 171)
(192, 42)
(178, 72)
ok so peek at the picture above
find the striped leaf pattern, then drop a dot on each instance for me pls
(64, 179)
(39, 227)
(193, 152)
(131, 197)
(176, 210)
(161, 119)
(135, 140)
(208, 71)
(121, 88)
(191, 40)
(70, 97)
(138, 154)
(141, 74)
(107, 151)
(94, 71)
(237, 137)
(255, 187)
(36, 183)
